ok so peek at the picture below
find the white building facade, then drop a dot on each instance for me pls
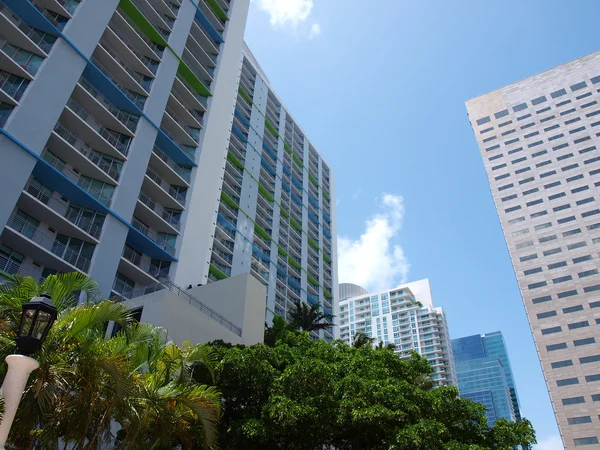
(406, 317)
(276, 216)
(539, 139)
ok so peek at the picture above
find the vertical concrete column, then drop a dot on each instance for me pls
(195, 244)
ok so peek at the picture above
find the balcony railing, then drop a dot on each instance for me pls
(64, 210)
(152, 235)
(178, 196)
(48, 242)
(144, 81)
(75, 177)
(56, 19)
(13, 85)
(112, 137)
(150, 64)
(124, 117)
(159, 210)
(156, 48)
(112, 169)
(43, 40)
(28, 61)
(184, 173)
(144, 262)
(138, 99)
(122, 288)
(187, 149)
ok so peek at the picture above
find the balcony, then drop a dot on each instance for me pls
(57, 213)
(157, 19)
(99, 106)
(129, 78)
(191, 117)
(224, 246)
(228, 213)
(152, 212)
(47, 250)
(168, 169)
(188, 95)
(122, 289)
(18, 61)
(152, 235)
(205, 74)
(189, 135)
(139, 267)
(165, 187)
(139, 63)
(12, 87)
(22, 34)
(63, 141)
(224, 233)
(60, 165)
(213, 19)
(222, 258)
(189, 150)
(131, 29)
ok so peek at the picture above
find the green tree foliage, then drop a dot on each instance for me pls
(303, 395)
(309, 317)
(86, 382)
(362, 340)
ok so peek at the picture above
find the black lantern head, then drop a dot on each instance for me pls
(36, 319)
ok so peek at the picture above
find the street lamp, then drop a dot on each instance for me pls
(36, 320)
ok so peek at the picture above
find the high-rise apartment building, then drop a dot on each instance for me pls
(114, 122)
(539, 139)
(276, 216)
(403, 316)
(485, 376)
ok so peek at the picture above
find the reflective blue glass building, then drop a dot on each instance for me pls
(485, 376)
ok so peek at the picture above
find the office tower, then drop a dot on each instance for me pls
(539, 142)
(114, 122)
(485, 376)
(276, 215)
(403, 316)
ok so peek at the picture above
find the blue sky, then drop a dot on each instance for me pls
(379, 87)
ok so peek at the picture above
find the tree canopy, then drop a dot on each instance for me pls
(293, 394)
(302, 394)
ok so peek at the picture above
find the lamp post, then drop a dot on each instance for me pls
(36, 319)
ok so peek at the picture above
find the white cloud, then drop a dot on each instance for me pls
(373, 261)
(315, 30)
(550, 443)
(288, 12)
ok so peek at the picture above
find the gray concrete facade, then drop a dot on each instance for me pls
(112, 152)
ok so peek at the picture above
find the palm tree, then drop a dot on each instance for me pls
(172, 410)
(389, 346)
(308, 318)
(363, 340)
(85, 381)
(277, 330)
(77, 379)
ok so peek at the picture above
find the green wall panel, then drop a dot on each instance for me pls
(236, 162)
(140, 20)
(262, 233)
(216, 272)
(229, 201)
(217, 10)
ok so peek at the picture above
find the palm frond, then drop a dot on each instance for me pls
(64, 289)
